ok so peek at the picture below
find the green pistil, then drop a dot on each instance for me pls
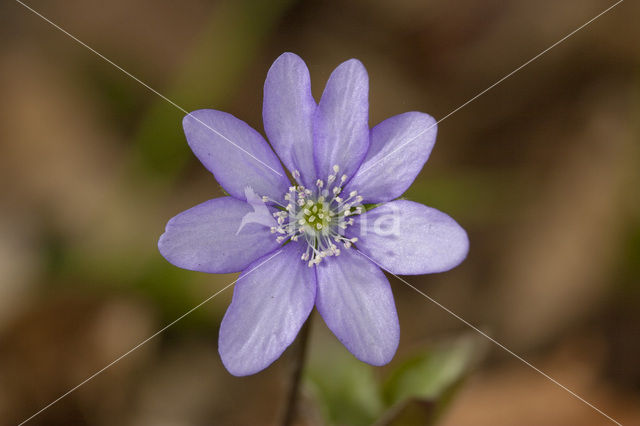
(316, 215)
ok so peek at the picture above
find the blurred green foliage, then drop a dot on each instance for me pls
(228, 45)
(346, 390)
(415, 392)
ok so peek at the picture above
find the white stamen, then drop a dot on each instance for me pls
(317, 218)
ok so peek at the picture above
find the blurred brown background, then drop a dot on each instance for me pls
(543, 172)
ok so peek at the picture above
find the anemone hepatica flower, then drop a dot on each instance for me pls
(321, 237)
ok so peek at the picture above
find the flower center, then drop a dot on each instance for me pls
(317, 216)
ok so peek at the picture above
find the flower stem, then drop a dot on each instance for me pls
(298, 367)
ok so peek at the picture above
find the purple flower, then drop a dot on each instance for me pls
(318, 245)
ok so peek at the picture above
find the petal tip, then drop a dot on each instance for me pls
(354, 66)
(287, 61)
(288, 56)
(238, 370)
(353, 62)
(459, 252)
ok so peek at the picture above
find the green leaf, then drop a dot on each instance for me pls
(421, 387)
(345, 388)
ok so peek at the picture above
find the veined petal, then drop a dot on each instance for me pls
(271, 300)
(236, 154)
(399, 148)
(341, 124)
(404, 237)
(208, 238)
(287, 112)
(355, 300)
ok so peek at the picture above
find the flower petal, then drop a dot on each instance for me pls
(272, 299)
(399, 148)
(355, 300)
(404, 237)
(341, 129)
(236, 154)
(205, 238)
(287, 112)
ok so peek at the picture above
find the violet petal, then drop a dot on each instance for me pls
(236, 154)
(205, 238)
(399, 148)
(409, 238)
(341, 129)
(287, 112)
(271, 301)
(355, 300)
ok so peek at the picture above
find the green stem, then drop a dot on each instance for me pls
(296, 378)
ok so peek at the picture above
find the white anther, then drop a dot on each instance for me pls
(336, 168)
(295, 174)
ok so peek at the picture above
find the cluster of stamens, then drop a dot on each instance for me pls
(318, 216)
